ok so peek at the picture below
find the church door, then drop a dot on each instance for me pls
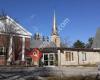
(49, 59)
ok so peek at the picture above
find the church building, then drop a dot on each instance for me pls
(55, 55)
(14, 40)
(16, 43)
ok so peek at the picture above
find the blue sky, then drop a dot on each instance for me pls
(37, 16)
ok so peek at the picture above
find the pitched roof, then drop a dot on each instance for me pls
(96, 41)
(9, 21)
(35, 43)
(41, 44)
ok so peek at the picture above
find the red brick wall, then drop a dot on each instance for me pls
(27, 43)
(19, 48)
(2, 60)
(3, 40)
(17, 45)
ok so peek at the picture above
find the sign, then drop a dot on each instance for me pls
(35, 54)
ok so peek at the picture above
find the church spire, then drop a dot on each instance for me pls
(55, 37)
(54, 29)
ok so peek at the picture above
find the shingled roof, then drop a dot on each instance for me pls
(41, 44)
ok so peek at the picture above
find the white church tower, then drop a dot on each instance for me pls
(54, 36)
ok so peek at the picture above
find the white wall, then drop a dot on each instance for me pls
(63, 58)
(91, 58)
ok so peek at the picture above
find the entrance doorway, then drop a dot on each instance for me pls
(49, 59)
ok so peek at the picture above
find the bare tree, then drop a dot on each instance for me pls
(65, 42)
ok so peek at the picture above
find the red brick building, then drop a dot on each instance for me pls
(14, 40)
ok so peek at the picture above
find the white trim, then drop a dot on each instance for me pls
(48, 54)
(22, 30)
(23, 49)
(17, 35)
(49, 66)
(19, 25)
(10, 50)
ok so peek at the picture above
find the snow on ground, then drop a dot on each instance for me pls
(22, 73)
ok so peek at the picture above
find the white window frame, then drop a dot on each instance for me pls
(69, 56)
(84, 56)
(48, 58)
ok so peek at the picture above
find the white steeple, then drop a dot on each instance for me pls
(54, 29)
(55, 37)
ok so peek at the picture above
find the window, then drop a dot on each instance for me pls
(84, 56)
(2, 50)
(69, 56)
(51, 56)
(45, 59)
(51, 59)
(48, 59)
